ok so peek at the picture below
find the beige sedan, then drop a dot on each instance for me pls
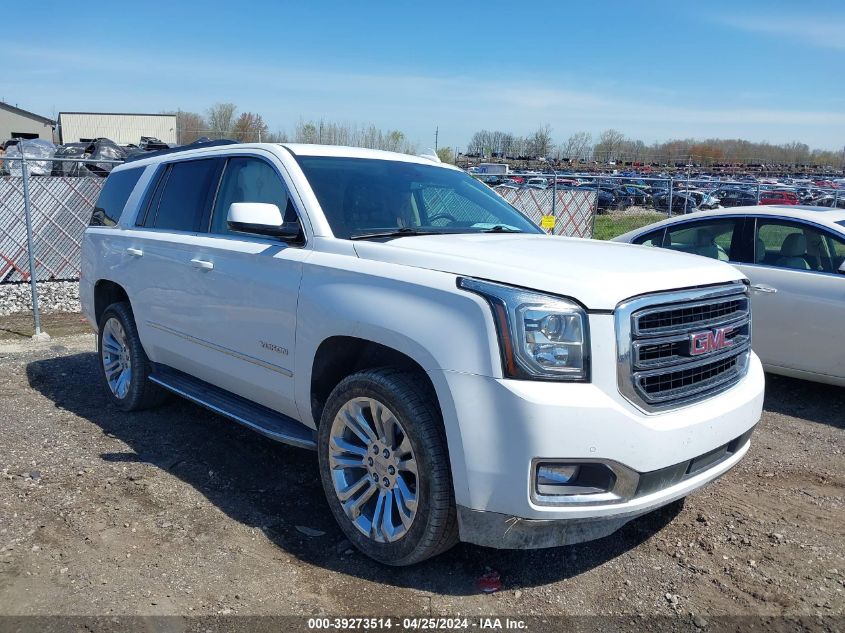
(795, 259)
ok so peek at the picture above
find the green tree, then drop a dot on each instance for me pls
(446, 154)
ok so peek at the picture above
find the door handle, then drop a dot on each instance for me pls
(764, 289)
(135, 252)
(202, 264)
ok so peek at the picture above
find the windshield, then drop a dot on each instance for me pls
(362, 196)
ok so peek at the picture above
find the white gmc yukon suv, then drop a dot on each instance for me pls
(461, 375)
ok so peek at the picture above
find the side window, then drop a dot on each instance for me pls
(113, 197)
(185, 189)
(655, 238)
(798, 246)
(836, 247)
(247, 179)
(710, 238)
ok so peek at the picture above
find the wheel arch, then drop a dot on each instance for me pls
(107, 292)
(340, 355)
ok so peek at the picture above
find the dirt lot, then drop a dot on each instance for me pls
(178, 511)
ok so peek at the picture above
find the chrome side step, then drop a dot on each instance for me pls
(259, 418)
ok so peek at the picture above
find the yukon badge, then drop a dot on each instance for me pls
(710, 341)
(274, 348)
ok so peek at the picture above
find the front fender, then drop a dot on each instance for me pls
(420, 313)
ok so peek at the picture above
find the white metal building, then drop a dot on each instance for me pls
(122, 128)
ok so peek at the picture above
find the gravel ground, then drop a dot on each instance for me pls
(178, 511)
(53, 296)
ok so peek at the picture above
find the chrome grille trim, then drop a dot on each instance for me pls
(655, 369)
(735, 315)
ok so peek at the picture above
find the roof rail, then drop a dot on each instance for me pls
(180, 148)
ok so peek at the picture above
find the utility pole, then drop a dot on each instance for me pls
(436, 134)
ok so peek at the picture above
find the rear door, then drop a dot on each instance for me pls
(798, 296)
(161, 282)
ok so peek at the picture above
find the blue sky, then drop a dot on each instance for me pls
(654, 70)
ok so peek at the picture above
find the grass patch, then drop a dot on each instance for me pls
(609, 226)
(20, 326)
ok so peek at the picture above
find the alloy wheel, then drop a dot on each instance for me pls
(116, 357)
(373, 469)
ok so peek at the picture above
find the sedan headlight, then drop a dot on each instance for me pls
(541, 337)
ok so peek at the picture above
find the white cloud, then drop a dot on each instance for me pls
(820, 32)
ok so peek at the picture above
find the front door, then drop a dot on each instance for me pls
(798, 296)
(245, 289)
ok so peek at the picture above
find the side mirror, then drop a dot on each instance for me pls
(261, 218)
(842, 268)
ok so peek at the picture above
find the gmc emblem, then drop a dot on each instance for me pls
(710, 341)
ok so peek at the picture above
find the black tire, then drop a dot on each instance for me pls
(434, 528)
(141, 392)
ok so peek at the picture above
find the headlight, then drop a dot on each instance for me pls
(541, 337)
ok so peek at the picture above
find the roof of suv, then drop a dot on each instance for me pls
(297, 149)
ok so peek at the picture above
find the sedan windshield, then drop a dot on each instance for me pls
(367, 198)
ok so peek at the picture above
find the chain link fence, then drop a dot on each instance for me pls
(43, 215)
(60, 208)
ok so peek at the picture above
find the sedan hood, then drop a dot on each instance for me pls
(597, 274)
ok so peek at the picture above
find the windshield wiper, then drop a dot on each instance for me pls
(499, 228)
(403, 232)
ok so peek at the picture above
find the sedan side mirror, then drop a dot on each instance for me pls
(261, 218)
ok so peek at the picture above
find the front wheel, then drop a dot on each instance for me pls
(385, 468)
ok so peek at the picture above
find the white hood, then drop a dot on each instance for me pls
(598, 274)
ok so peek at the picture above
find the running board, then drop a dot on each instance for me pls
(259, 418)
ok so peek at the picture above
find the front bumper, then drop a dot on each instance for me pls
(497, 429)
(492, 529)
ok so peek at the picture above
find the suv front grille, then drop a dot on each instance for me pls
(676, 348)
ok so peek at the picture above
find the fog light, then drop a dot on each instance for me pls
(556, 474)
(564, 479)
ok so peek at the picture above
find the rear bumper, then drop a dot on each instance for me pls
(504, 531)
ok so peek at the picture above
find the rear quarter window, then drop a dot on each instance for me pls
(116, 191)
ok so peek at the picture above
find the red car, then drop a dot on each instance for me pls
(778, 197)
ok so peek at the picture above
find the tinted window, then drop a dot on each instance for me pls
(249, 180)
(185, 189)
(113, 197)
(655, 238)
(711, 238)
(798, 246)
